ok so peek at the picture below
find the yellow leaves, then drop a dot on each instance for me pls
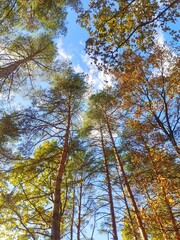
(25, 217)
(162, 181)
(171, 200)
(138, 112)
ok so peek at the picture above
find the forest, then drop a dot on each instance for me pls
(78, 163)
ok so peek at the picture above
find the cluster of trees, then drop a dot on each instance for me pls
(76, 162)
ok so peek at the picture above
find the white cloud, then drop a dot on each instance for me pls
(97, 79)
(61, 52)
(160, 37)
(78, 69)
(168, 58)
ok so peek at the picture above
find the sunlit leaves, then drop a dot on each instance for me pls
(118, 25)
(35, 15)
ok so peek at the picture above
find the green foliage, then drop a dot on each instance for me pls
(26, 44)
(31, 200)
(48, 16)
(69, 83)
(40, 46)
(25, 57)
(100, 104)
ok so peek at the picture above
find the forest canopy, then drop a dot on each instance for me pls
(81, 162)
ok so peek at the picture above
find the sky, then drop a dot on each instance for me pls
(72, 47)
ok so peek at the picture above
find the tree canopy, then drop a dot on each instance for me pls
(82, 163)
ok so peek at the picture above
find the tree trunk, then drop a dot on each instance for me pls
(56, 215)
(135, 234)
(72, 217)
(6, 71)
(79, 210)
(113, 219)
(169, 134)
(127, 185)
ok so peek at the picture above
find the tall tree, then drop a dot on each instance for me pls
(103, 106)
(37, 22)
(54, 117)
(65, 99)
(113, 218)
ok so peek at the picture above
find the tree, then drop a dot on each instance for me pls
(115, 26)
(34, 15)
(124, 175)
(103, 108)
(152, 169)
(72, 87)
(32, 44)
(22, 56)
(153, 91)
(113, 219)
(27, 202)
(53, 119)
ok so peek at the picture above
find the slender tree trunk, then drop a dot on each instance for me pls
(169, 134)
(93, 228)
(127, 185)
(72, 217)
(135, 234)
(56, 215)
(79, 210)
(174, 143)
(113, 219)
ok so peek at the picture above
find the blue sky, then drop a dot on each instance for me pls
(72, 47)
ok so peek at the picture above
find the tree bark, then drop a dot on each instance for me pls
(173, 220)
(72, 217)
(79, 210)
(127, 207)
(6, 71)
(56, 216)
(113, 219)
